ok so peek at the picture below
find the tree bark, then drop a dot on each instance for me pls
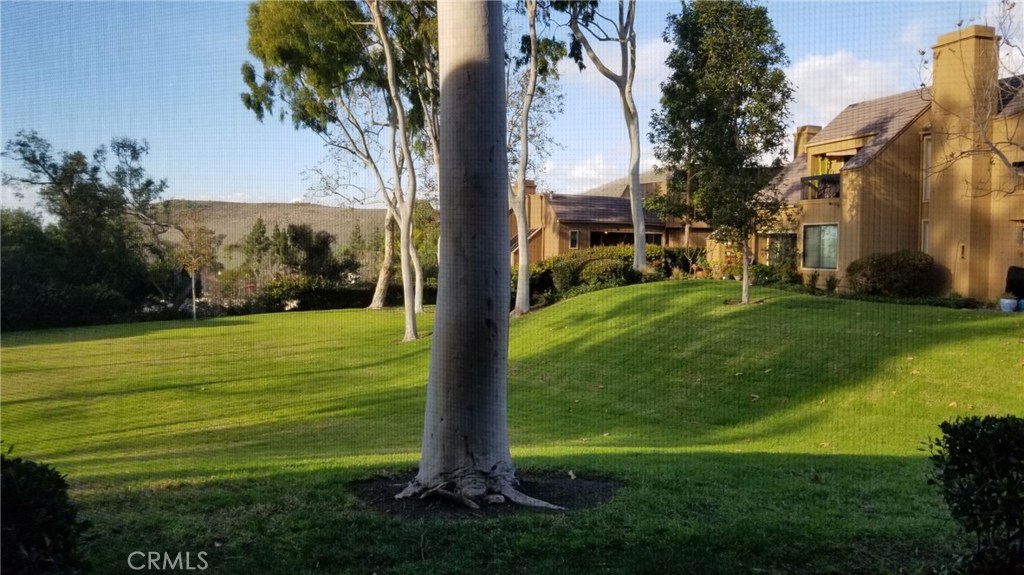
(465, 452)
(745, 298)
(519, 208)
(387, 265)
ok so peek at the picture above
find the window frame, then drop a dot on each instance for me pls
(804, 251)
(574, 239)
(926, 168)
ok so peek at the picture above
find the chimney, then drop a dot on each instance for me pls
(964, 72)
(801, 137)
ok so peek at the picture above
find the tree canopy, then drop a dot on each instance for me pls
(723, 115)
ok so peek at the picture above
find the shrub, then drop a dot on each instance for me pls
(581, 271)
(897, 275)
(979, 467)
(683, 259)
(39, 522)
(831, 284)
(812, 281)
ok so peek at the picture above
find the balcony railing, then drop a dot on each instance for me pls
(820, 187)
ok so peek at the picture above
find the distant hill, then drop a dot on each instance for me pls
(235, 219)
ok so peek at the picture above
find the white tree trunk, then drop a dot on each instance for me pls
(745, 298)
(387, 265)
(523, 274)
(194, 295)
(465, 452)
(636, 198)
(518, 198)
(408, 276)
(417, 268)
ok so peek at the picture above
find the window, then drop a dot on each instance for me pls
(924, 236)
(926, 171)
(820, 243)
(574, 239)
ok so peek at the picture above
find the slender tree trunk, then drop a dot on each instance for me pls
(636, 198)
(193, 274)
(523, 273)
(387, 265)
(417, 268)
(465, 452)
(408, 276)
(745, 298)
(519, 194)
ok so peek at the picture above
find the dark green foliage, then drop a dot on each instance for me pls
(831, 284)
(303, 293)
(903, 274)
(682, 259)
(979, 466)
(40, 523)
(101, 207)
(582, 271)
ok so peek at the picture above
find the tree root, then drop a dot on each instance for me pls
(504, 490)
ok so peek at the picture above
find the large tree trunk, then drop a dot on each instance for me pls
(387, 265)
(465, 453)
(194, 295)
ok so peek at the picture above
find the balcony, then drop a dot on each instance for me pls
(821, 187)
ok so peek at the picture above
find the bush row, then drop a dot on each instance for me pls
(591, 269)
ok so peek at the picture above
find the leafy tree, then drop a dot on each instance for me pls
(98, 204)
(723, 112)
(198, 248)
(465, 453)
(587, 22)
(360, 76)
(311, 254)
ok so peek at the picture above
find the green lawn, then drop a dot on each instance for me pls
(777, 438)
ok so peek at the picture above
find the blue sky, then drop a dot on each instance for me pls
(81, 73)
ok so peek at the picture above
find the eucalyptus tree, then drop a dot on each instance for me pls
(586, 23)
(343, 70)
(723, 115)
(465, 451)
(531, 83)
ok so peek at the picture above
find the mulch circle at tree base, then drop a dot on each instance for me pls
(558, 488)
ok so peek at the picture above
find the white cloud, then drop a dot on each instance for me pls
(825, 84)
(914, 35)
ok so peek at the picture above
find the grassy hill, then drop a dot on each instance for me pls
(776, 438)
(235, 219)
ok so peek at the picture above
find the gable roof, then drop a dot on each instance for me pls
(788, 181)
(884, 118)
(587, 209)
(620, 188)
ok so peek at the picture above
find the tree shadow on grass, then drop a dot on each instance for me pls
(12, 339)
(708, 513)
(681, 368)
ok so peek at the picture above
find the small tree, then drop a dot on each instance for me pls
(723, 115)
(198, 248)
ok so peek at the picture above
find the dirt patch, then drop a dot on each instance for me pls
(740, 302)
(558, 488)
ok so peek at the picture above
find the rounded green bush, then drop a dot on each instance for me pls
(902, 274)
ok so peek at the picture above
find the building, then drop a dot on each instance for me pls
(935, 169)
(601, 216)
